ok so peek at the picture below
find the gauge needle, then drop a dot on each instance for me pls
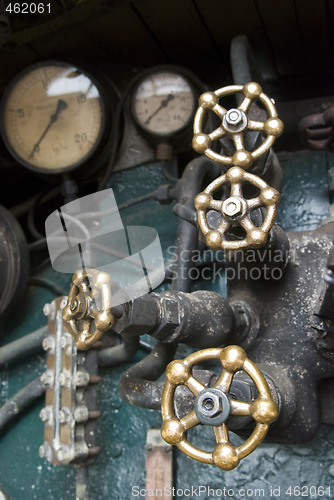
(163, 104)
(53, 118)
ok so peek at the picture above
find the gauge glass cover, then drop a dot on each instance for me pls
(52, 117)
(163, 103)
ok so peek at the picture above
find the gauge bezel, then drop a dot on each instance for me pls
(147, 74)
(103, 110)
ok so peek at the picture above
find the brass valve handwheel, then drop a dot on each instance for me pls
(89, 287)
(235, 122)
(236, 210)
(264, 410)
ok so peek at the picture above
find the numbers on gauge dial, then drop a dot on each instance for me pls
(163, 103)
(53, 117)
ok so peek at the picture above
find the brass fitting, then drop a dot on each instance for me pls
(235, 210)
(235, 122)
(216, 405)
(89, 300)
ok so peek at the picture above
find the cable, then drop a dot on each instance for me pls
(37, 245)
(31, 219)
(42, 242)
(45, 283)
(24, 345)
(20, 401)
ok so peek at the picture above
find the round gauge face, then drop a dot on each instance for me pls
(163, 103)
(52, 117)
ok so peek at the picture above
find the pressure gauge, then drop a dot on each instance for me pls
(53, 117)
(163, 103)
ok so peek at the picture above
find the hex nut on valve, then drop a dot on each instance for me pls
(212, 407)
(233, 207)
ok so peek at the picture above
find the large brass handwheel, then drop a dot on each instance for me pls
(236, 210)
(89, 300)
(235, 122)
(263, 410)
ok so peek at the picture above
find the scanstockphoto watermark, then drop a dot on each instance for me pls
(198, 491)
(271, 491)
(252, 264)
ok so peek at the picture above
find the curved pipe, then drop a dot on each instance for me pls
(113, 356)
(138, 385)
(187, 233)
(20, 401)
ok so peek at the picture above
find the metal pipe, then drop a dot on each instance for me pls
(187, 233)
(113, 356)
(25, 345)
(138, 385)
(20, 401)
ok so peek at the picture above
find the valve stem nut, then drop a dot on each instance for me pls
(212, 407)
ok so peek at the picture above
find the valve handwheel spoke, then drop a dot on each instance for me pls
(221, 434)
(88, 287)
(194, 385)
(240, 408)
(235, 122)
(217, 134)
(190, 420)
(213, 406)
(236, 210)
(224, 380)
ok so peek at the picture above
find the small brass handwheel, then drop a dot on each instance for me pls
(264, 410)
(235, 122)
(89, 300)
(236, 210)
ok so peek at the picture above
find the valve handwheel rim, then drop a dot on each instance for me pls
(264, 410)
(236, 210)
(86, 286)
(234, 122)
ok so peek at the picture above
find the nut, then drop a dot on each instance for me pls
(47, 378)
(64, 415)
(234, 116)
(210, 404)
(81, 414)
(234, 120)
(212, 407)
(48, 343)
(49, 310)
(65, 379)
(45, 451)
(46, 414)
(233, 207)
(81, 378)
(63, 454)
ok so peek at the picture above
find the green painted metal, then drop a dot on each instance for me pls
(122, 428)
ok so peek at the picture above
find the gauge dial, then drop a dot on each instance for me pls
(163, 103)
(52, 117)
